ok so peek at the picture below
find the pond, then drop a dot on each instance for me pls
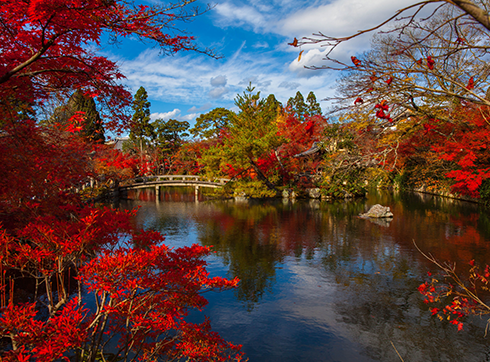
(318, 283)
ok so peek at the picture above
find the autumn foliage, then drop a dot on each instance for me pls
(79, 282)
(300, 137)
(453, 147)
(46, 48)
(467, 149)
(62, 254)
(456, 294)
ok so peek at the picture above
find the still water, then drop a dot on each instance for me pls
(320, 284)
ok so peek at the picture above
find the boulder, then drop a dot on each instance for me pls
(378, 212)
(290, 194)
(314, 193)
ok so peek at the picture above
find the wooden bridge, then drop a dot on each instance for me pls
(171, 180)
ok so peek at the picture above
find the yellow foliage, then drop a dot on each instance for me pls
(280, 119)
(356, 120)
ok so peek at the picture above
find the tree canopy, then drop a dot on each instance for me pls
(210, 124)
(302, 109)
(68, 252)
(92, 126)
(250, 136)
(141, 129)
(46, 49)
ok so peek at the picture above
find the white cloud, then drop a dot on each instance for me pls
(245, 15)
(218, 92)
(219, 81)
(175, 114)
(166, 115)
(303, 18)
(189, 117)
(185, 79)
(261, 45)
(249, 80)
(313, 57)
(204, 107)
(289, 85)
(298, 18)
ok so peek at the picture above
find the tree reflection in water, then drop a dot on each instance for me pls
(323, 274)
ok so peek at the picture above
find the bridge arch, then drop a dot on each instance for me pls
(158, 181)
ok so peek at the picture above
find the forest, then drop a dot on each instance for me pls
(81, 282)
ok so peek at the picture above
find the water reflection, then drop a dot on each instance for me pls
(319, 283)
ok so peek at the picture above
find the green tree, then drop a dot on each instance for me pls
(273, 105)
(312, 106)
(169, 136)
(209, 125)
(92, 127)
(141, 130)
(298, 106)
(252, 134)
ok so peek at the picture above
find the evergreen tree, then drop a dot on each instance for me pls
(298, 106)
(313, 107)
(141, 130)
(92, 128)
(169, 136)
(210, 124)
(272, 105)
(252, 134)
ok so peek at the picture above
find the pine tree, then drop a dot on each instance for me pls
(272, 105)
(209, 125)
(298, 106)
(92, 127)
(313, 107)
(252, 133)
(141, 128)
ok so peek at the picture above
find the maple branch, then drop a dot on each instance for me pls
(46, 45)
(53, 70)
(335, 41)
(28, 62)
(470, 8)
(467, 6)
(450, 271)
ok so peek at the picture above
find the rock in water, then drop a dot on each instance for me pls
(378, 211)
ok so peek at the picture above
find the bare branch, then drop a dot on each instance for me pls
(470, 8)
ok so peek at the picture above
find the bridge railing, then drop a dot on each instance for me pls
(155, 179)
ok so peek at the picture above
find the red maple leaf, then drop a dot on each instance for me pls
(430, 62)
(356, 61)
(358, 100)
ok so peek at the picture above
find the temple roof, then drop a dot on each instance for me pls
(315, 147)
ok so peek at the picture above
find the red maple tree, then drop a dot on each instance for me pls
(74, 277)
(46, 48)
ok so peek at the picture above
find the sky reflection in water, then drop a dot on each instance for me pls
(320, 284)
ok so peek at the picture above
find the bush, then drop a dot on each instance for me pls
(253, 189)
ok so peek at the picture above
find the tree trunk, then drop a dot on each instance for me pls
(261, 176)
(472, 9)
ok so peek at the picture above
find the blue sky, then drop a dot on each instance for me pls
(252, 36)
